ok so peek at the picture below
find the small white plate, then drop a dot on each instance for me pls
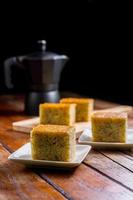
(23, 155)
(86, 138)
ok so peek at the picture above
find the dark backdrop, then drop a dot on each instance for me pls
(96, 36)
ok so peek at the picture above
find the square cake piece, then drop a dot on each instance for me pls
(84, 108)
(53, 142)
(109, 127)
(56, 113)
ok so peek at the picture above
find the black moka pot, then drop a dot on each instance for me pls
(43, 71)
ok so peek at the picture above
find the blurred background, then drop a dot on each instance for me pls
(96, 36)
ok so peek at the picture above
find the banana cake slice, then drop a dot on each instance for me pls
(109, 127)
(84, 107)
(56, 113)
(53, 142)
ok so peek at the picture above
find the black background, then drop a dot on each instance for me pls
(95, 35)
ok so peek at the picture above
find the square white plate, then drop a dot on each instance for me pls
(23, 155)
(86, 138)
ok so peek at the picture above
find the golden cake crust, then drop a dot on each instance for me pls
(55, 105)
(109, 115)
(52, 129)
(76, 100)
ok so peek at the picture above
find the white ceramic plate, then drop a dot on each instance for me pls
(86, 138)
(23, 155)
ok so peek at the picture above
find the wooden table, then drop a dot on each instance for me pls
(102, 175)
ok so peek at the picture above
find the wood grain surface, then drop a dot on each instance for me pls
(17, 182)
(104, 175)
